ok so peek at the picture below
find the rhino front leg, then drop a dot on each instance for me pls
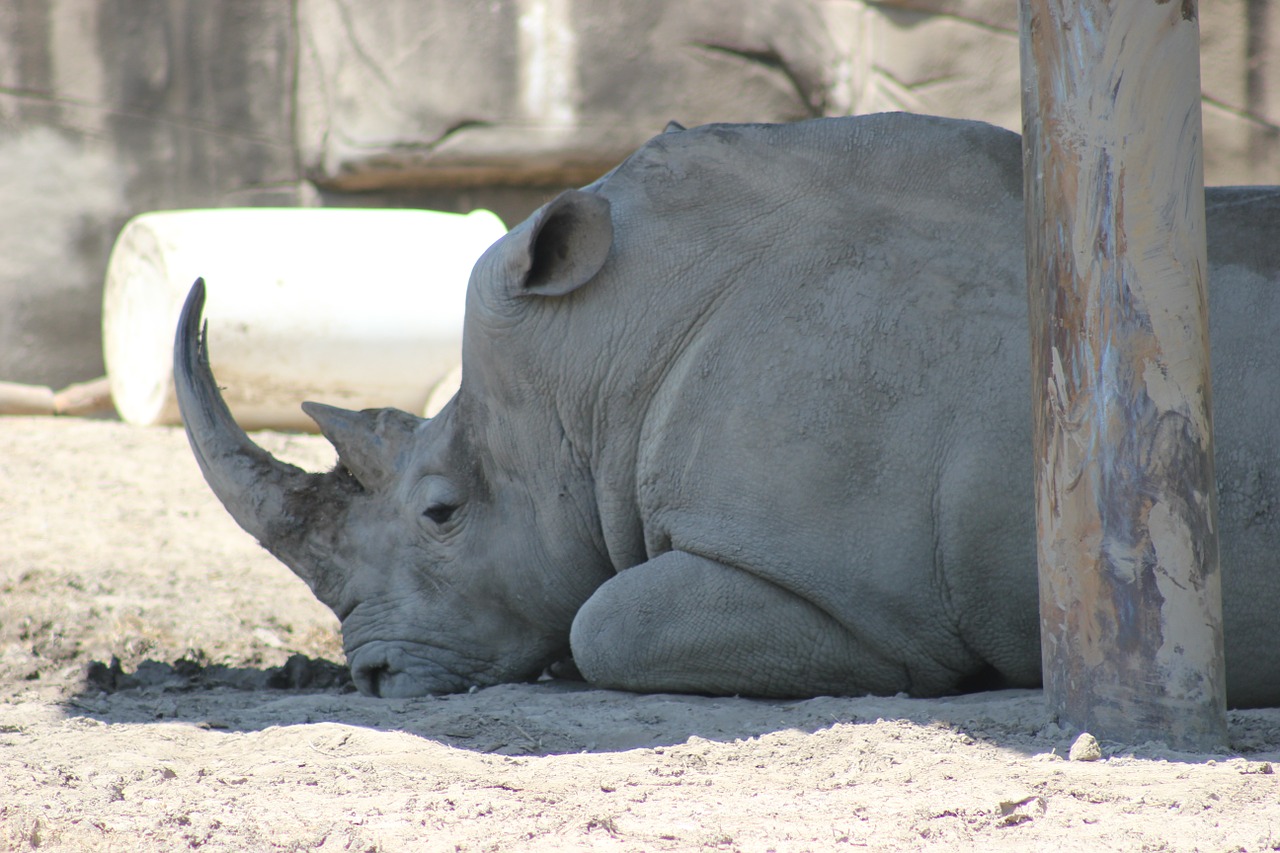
(684, 623)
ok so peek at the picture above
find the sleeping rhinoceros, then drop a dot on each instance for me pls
(748, 415)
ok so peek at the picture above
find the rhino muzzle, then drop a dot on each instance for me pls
(391, 671)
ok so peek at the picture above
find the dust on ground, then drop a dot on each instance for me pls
(166, 684)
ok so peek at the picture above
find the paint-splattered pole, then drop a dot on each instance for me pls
(1130, 592)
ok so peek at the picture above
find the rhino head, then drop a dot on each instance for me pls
(454, 550)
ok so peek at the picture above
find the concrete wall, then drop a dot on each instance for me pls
(113, 107)
(960, 58)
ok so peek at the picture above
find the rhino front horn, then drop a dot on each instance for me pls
(279, 504)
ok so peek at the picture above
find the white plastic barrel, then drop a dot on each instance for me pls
(355, 308)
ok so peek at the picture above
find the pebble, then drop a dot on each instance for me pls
(1085, 748)
(1014, 812)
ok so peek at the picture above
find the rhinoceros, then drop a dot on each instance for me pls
(750, 414)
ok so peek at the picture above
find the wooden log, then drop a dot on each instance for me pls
(84, 399)
(19, 399)
(1130, 590)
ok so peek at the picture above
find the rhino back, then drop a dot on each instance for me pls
(845, 411)
(844, 406)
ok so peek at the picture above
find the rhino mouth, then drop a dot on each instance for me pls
(395, 671)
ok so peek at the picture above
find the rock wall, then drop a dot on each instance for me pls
(960, 58)
(538, 91)
(109, 108)
(113, 107)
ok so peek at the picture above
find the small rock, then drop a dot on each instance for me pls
(106, 678)
(1085, 748)
(1014, 812)
(268, 638)
(1260, 767)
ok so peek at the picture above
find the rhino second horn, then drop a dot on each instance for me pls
(273, 501)
(369, 442)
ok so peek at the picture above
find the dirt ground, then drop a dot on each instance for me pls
(165, 684)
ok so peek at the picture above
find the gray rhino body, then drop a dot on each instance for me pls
(748, 415)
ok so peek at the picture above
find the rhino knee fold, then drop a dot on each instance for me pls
(609, 641)
(590, 645)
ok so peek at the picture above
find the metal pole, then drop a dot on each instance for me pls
(1130, 590)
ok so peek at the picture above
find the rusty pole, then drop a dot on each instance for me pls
(1126, 503)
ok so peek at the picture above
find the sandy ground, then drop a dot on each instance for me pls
(165, 685)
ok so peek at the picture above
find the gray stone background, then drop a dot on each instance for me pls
(109, 108)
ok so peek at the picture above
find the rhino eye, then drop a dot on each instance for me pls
(440, 513)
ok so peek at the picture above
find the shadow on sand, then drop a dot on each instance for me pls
(556, 716)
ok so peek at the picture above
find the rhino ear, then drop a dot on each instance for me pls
(567, 244)
(369, 443)
(673, 126)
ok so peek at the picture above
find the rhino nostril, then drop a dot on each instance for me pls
(369, 678)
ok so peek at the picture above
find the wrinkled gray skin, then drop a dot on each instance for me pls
(750, 414)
